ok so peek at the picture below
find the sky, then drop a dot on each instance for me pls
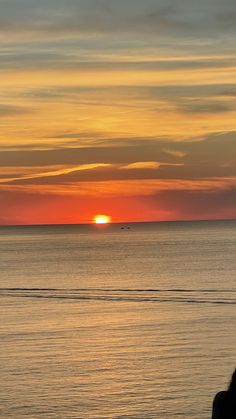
(125, 108)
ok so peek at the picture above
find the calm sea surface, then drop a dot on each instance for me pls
(111, 322)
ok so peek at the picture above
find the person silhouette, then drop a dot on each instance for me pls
(224, 404)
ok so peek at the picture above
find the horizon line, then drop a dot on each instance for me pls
(118, 222)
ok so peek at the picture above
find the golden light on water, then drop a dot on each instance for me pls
(102, 219)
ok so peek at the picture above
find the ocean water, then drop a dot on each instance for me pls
(116, 322)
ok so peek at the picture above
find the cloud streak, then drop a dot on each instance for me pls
(53, 173)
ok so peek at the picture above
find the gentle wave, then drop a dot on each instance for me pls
(198, 296)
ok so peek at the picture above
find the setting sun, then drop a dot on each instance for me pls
(102, 219)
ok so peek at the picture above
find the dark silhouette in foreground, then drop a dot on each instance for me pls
(224, 404)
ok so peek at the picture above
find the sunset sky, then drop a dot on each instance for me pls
(125, 108)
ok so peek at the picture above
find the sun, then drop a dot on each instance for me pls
(102, 219)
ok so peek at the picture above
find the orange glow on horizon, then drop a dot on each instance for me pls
(102, 219)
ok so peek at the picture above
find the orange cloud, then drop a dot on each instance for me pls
(54, 173)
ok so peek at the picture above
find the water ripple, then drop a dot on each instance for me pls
(193, 296)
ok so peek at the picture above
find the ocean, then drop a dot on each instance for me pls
(133, 321)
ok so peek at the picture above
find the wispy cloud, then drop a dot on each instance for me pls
(142, 165)
(11, 110)
(175, 153)
(54, 173)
